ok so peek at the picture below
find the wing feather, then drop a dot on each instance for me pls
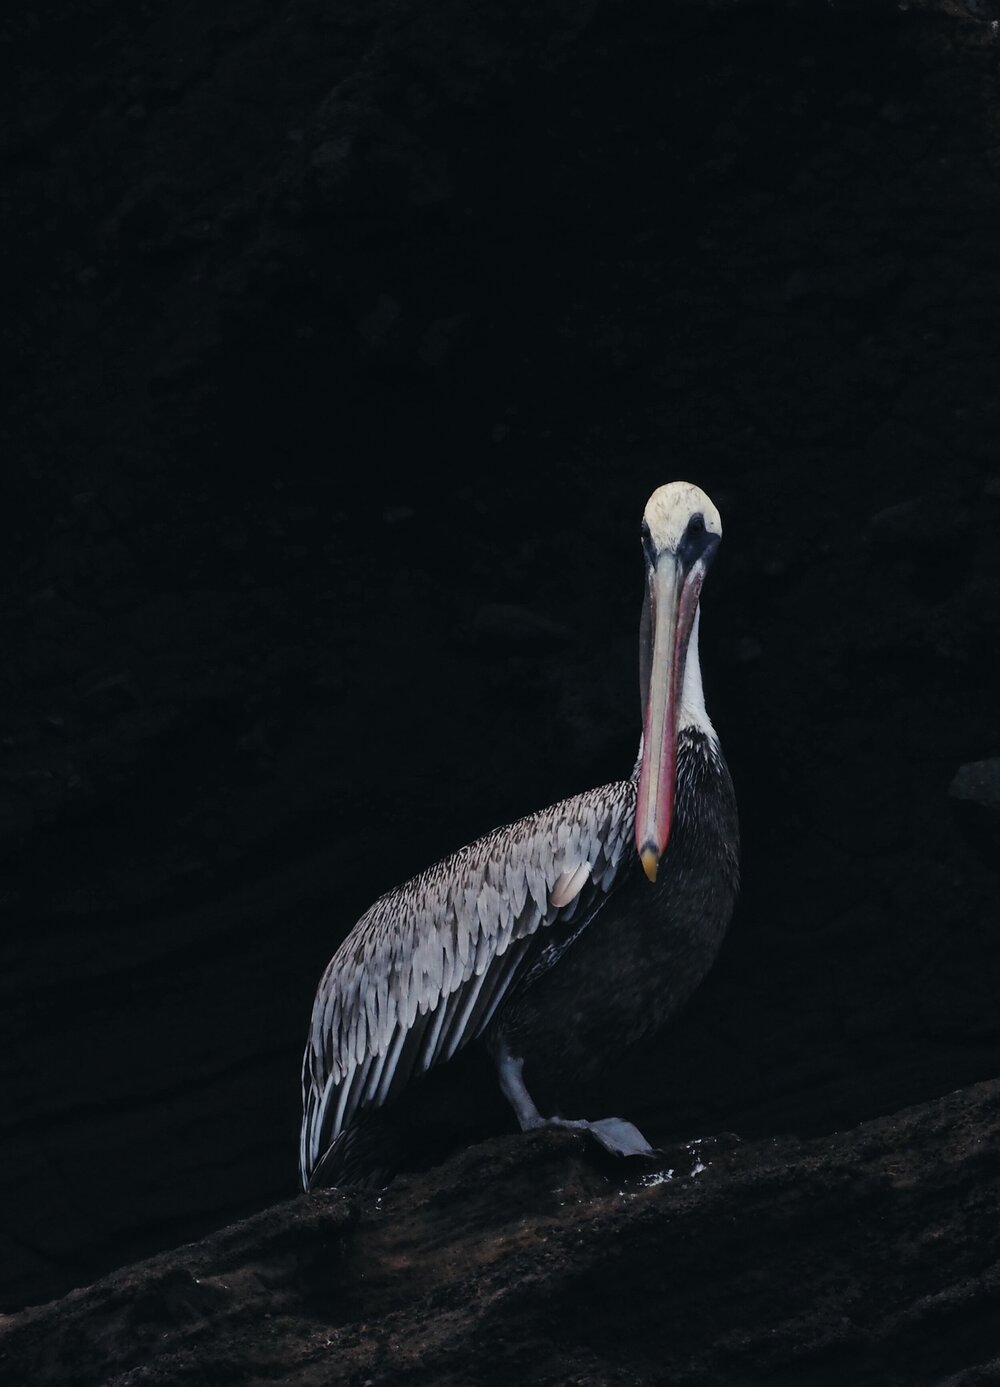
(355, 1088)
(466, 1001)
(426, 968)
(392, 1058)
(431, 1048)
(374, 1077)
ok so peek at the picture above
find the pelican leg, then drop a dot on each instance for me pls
(616, 1135)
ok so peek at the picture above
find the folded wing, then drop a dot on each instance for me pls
(426, 967)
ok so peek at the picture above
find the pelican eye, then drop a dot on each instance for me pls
(697, 541)
(648, 547)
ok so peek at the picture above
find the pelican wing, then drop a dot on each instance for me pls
(426, 967)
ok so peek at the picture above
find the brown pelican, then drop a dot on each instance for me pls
(557, 941)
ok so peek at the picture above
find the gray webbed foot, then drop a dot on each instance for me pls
(619, 1137)
(616, 1135)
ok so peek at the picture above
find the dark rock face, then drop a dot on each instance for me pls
(858, 1257)
(345, 343)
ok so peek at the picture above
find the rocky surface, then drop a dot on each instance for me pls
(344, 343)
(775, 1261)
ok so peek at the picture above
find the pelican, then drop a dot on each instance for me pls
(556, 942)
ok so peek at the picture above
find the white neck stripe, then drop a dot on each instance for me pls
(692, 712)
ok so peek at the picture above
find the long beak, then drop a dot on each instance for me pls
(673, 601)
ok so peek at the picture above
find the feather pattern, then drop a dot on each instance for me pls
(426, 968)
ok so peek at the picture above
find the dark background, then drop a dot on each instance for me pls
(344, 344)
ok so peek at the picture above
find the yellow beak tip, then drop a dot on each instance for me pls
(650, 862)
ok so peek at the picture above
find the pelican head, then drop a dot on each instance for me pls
(681, 530)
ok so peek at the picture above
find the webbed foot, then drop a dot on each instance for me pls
(616, 1135)
(619, 1137)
